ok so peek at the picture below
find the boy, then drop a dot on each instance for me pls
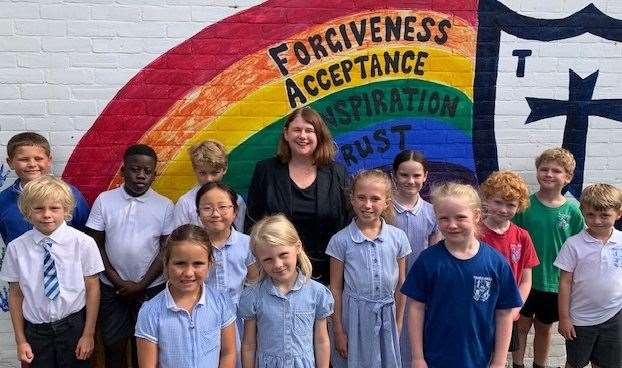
(28, 154)
(209, 163)
(505, 193)
(52, 274)
(590, 285)
(550, 220)
(129, 224)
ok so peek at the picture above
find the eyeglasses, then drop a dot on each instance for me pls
(220, 209)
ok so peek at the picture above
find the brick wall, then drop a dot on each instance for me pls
(63, 61)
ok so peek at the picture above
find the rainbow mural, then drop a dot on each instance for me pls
(384, 75)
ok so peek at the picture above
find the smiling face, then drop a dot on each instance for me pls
(552, 176)
(138, 173)
(187, 267)
(47, 215)
(278, 261)
(301, 137)
(456, 220)
(499, 211)
(409, 178)
(30, 163)
(369, 200)
(216, 210)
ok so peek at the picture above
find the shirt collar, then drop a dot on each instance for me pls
(233, 237)
(400, 208)
(170, 303)
(143, 198)
(57, 235)
(357, 236)
(615, 238)
(17, 186)
(301, 279)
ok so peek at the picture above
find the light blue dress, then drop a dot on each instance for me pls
(418, 223)
(368, 305)
(285, 323)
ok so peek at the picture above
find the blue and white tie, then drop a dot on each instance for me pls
(50, 278)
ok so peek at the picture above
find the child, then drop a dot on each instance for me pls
(233, 260)
(461, 292)
(28, 154)
(590, 286)
(414, 216)
(367, 268)
(284, 311)
(129, 223)
(188, 324)
(209, 162)
(505, 193)
(550, 220)
(53, 286)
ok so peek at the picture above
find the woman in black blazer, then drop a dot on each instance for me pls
(305, 183)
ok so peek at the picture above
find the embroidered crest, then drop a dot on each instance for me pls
(481, 288)
(616, 257)
(563, 221)
(516, 251)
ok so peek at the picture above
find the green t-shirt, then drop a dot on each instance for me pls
(549, 228)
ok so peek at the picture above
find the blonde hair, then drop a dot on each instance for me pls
(378, 176)
(601, 197)
(46, 188)
(187, 233)
(324, 152)
(274, 231)
(455, 190)
(560, 156)
(208, 154)
(508, 185)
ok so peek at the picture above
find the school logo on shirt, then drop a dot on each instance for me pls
(481, 288)
(516, 250)
(616, 257)
(563, 221)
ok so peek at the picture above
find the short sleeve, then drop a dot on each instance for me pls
(96, 219)
(566, 258)
(576, 221)
(239, 217)
(336, 248)
(416, 284)
(80, 212)
(10, 266)
(227, 310)
(509, 297)
(529, 251)
(404, 245)
(325, 302)
(147, 323)
(169, 226)
(91, 259)
(247, 308)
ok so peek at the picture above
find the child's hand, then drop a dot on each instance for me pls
(341, 344)
(24, 352)
(130, 290)
(419, 363)
(566, 329)
(85, 347)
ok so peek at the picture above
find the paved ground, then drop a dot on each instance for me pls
(557, 356)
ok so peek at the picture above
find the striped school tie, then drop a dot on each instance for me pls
(50, 278)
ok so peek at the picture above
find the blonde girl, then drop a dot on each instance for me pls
(285, 311)
(461, 292)
(367, 268)
(187, 324)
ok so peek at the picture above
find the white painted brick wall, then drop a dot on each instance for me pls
(61, 61)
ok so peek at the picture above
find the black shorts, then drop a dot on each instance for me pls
(117, 317)
(541, 305)
(600, 344)
(514, 339)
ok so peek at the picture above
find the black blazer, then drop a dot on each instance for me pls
(270, 193)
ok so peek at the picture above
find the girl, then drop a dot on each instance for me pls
(414, 215)
(462, 291)
(233, 261)
(367, 267)
(187, 324)
(284, 311)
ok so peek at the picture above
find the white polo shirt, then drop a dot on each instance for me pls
(596, 294)
(133, 226)
(186, 210)
(75, 255)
